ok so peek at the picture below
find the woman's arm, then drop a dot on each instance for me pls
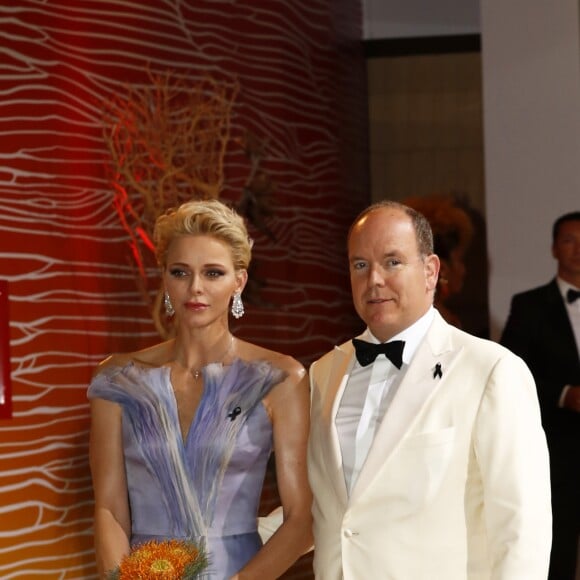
(112, 518)
(289, 404)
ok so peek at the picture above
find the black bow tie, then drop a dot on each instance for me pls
(367, 352)
(572, 295)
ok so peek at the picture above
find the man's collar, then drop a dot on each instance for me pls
(412, 335)
(564, 286)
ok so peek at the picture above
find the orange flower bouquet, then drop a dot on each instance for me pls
(162, 560)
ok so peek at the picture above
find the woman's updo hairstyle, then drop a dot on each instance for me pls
(208, 217)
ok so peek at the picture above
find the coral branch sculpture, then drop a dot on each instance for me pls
(168, 141)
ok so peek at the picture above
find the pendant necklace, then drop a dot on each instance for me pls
(197, 372)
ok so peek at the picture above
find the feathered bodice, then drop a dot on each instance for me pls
(209, 485)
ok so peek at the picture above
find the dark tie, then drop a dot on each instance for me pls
(572, 295)
(367, 352)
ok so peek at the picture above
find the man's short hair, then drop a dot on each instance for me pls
(423, 231)
(573, 216)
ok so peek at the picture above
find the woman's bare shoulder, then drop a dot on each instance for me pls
(153, 356)
(292, 368)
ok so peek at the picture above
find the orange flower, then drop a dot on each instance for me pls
(166, 560)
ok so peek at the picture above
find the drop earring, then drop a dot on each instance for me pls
(169, 310)
(237, 305)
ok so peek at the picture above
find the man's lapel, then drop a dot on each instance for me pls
(556, 314)
(420, 383)
(342, 361)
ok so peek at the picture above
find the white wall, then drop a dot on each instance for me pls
(531, 84)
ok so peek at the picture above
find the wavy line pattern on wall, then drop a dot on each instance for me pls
(73, 297)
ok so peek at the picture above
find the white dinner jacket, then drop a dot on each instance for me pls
(456, 483)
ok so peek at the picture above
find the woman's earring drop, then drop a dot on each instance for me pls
(169, 310)
(237, 305)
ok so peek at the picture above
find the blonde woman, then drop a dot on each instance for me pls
(181, 432)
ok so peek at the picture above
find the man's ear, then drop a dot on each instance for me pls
(432, 267)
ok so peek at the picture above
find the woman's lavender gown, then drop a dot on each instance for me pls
(208, 487)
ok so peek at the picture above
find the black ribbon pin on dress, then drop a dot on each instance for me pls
(234, 413)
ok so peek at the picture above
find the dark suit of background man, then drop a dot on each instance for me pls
(544, 329)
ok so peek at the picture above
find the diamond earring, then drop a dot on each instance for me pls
(237, 305)
(169, 310)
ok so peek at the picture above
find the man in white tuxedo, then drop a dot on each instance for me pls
(427, 460)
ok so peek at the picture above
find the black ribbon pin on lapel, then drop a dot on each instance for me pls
(233, 414)
(437, 372)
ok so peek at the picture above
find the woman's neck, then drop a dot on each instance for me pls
(195, 352)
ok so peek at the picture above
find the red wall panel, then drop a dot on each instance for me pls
(72, 294)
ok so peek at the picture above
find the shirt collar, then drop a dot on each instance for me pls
(412, 335)
(564, 287)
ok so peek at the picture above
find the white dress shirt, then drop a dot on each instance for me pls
(367, 396)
